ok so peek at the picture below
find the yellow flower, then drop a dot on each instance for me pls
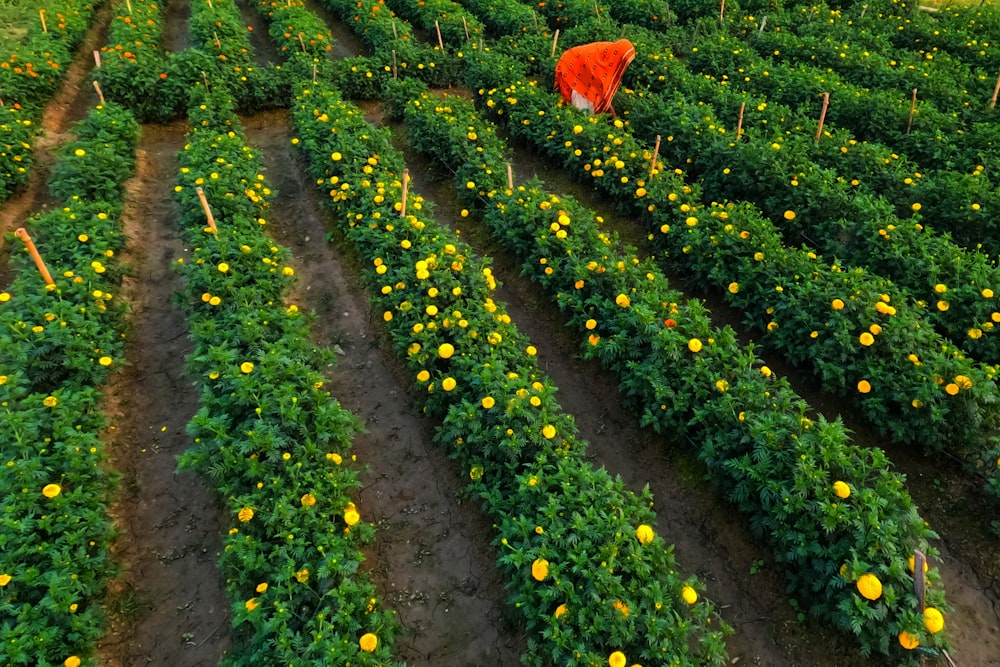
(560, 610)
(251, 604)
(694, 345)
(104, 361)
(549, 431)
(622, 607)
(837, 304)
(50, 401)
(933, 620)
(689, 594)
(866, 339)
(368, 642)
(617, 659)
(423, 376)
(71, 661)
(445, 350)
(915, 206)
(246, 367)
(942, 305)
(869, 586)
(302, 576)
(223, 267)
(448, 384)
(262, 588)
(906, 640)
(789, 215)
(245, 514)
(765, 371)
(476, 472)
(488, 402)
(4, 580)
(841, 489)
(540, 569)
(911, 562)
(644, 534)
(591, 324)
(51, 490)
(308, 500)
(351, 515)
(864, 386)
(623, 301)
(336, 156)
(734, 288)
(951, 388)
(987, 293)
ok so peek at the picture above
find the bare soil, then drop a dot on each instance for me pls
(432, 560)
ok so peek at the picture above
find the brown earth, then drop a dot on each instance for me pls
(432, 560)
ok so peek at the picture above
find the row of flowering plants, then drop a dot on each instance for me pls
(456, 25)
(60, 342)
(773, 168)
(274, 443)
(587, 573)
(30, 73)
(809, 492)
(966, 32)
(856, 332)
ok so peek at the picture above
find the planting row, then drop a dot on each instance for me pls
(62, 339)
(273, 442)
(591, 579)
(809, 492)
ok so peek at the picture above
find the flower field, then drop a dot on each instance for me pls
(334, 337)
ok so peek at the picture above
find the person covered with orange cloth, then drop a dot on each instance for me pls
(588, 75)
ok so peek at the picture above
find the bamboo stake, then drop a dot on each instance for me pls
(302, 43)
(97, 58)
(440, 41)
(597, 10)
(100, 95)
(218, 44)
(22, 234)
(739, 123)
(204, 77)
(919, 582)
(128, 4)
(822, 116)
(763, 22)
(394, 35)
(314, 73)
(1, 102)
(913, 108)
(510, 177)
(208, 210)
(210, 4)
(652, 164)
(41, 15)
(555, 39)
(394, 75)
(534, 17)
(406, 184)
(996, 89)
(466, 26)
(722, 11)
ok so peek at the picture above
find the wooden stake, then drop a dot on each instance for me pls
(128, 4)
(913, 108)
(218, 44)
(41, 15)
(510, 177)
(394, 35)
(739, 123)
(534, 17)
(302, 43)
(204, 77)
(100, 95)
(656, 152)
(207, 209)
(919, 581)
(394, 76)
(555, 39)
(996, 89)
(97, 58)
(763, 22)
(314, 73)
(863, 10)
(22, 234)
(440, 41)
(406, 185)
(210, 4)
(822, 116)
(597, 10)
(466, 26)
(722, 11)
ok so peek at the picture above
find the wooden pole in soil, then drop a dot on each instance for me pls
(41, 15)
(510, 177)
(722, 11)
(555, 40)
(996, 90)
(394, 76)
(218, 44)
(739, 123)
(652, 164)
(437, 27)
(302, 43)
(204, 77)
(97, 58)
(406, 185)
(913, 108)
(208, 211)
(534, 17)
(128, 4)
(394, 35)
(22, 234)
(466, 26)
(100, 95)
(822, 116)
(314, 73)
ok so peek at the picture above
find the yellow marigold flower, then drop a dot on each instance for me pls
(251, 604)
(789, 215)
(4, 297)
(963, 382)
(423, 376)
(837, 304)
(864, 386)
(351, 515)
(445, 350)
(540, 569)
(951, 388)
(247, 367)
(943, 305)
(623, 301)
(765, 371)
(933, 620)
(51, 490)
(302, 576)
(917, 403)
(560, 610)
(617, 659)
(262, 587)
(691, 221)
(488, 402)
(223, 267)
(734, 288)
(105, 361)
(908, 641)
(308, 500)
(694, 345)
(875, 329)
(841, 489)
(549, 431)
(689, 594)
(50, 401)
(644, 534)
(71, 661)
(915, 206)
(975, 334)
(245, 514)
(758, 256)
(722, 385)
(4, 580)
(336, 156)
(866, 339)
(448, 384)
(591, 324)
(869, 586)
(368, 642)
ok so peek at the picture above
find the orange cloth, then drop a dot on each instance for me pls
(594, 71)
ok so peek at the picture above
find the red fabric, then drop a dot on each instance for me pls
(594, 71)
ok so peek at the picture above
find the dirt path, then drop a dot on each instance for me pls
(432, 560)
(169, 605)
